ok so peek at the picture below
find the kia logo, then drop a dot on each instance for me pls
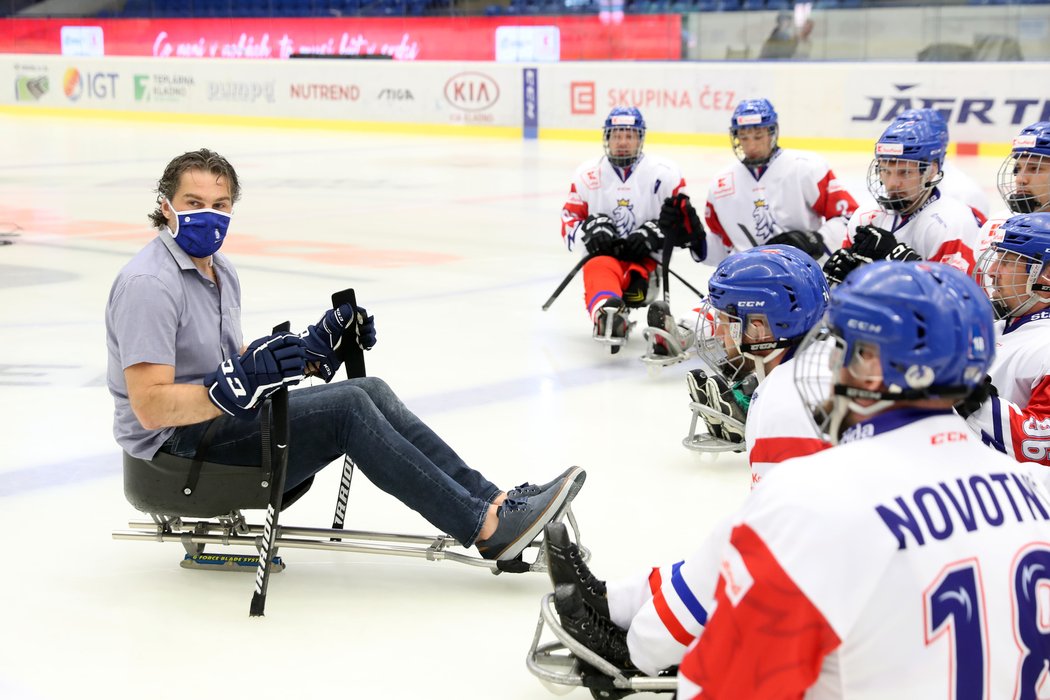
(471, 92)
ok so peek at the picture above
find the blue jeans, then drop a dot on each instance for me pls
(364, 419)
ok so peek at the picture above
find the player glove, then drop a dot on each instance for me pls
(243, 382)
(976, 398)
(322, 340)
(841, 263)
(809, 242)
(639, 243)
(678, 219)
(599, 234)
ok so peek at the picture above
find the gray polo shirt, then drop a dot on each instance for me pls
(162, 310)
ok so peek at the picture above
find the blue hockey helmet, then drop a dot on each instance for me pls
(752, 114)
(1015, 269)
(911, 331)
(629, 119)
(760, 300)
(1024, 177)
(913, 141)
(932, 117)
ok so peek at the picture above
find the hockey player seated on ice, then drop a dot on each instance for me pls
(180, 375)
(761, 304)
(1023, 180)
(768, 196)
(773, 195)
(906, 561)
(913, 221)
(613, 209)
(1011, 410)
(647, 621)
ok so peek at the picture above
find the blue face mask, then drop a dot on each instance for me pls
(200, 232)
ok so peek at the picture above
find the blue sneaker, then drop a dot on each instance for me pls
(577, 476)
(522, 519)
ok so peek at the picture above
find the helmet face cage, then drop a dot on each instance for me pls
(904, 332)
(1024, 182)
(918, 182)
(725, 341)
(752, 115)
(623, 119)
(1014, 269)
(816, 363)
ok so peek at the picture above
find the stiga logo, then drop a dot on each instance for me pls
(30, 89)
(471, 92)
(396, 95)
(93, 86)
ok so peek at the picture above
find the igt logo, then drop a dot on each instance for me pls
(471, 92)
(98, 86)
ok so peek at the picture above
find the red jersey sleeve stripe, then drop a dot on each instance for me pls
(663, 611)
(951, 248)
(779, 449)
(766, 643)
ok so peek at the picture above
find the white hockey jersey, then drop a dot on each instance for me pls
(630, 196)
(958, 185)
(796, 191)
(910, 563)
(1017, 421)
(990, 231)
(778, 427)
(942, 230)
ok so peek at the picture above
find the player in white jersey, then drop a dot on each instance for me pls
(613, 207)
(771, 295)
(773, 195)
(1023, 181)
(914, 222)
(1012, 412)
(759, 308)
(955, 184)
(909, 561)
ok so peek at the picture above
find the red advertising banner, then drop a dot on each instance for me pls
(647, 37)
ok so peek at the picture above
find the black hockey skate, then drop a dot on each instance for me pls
(589, 628)
(729, 404)
(565, 564)
(611, 325)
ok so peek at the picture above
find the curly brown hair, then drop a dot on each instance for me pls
(202, 159)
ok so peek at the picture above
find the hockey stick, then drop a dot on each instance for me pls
(690, 287)
(354, 360)
(279, 403)
(754, 243)
(568, 278)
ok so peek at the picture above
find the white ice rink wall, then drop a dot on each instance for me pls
(827, 106)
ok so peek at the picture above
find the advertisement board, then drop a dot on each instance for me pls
(583, 37)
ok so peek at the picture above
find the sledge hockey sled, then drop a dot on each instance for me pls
(705, 441)
(199, 503)
(565, 664)
(607, 338)
(205, 512)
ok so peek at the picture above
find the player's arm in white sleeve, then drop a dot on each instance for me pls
(1021, 432)
(573, 212)
(718, 244)
(681, 601)
(830, 200)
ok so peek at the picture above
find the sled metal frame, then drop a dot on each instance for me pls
(232, 530)
(706, 442)
(657, 362)
(558, 663)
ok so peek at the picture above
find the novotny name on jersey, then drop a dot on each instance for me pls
(964, 505)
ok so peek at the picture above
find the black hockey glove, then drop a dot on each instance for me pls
(841, 263)
(647, 238)
(872, 243)
(809, 242)
(678, 219)
(976, 398)
(599, 234)
(322, 340)
(243, 382)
